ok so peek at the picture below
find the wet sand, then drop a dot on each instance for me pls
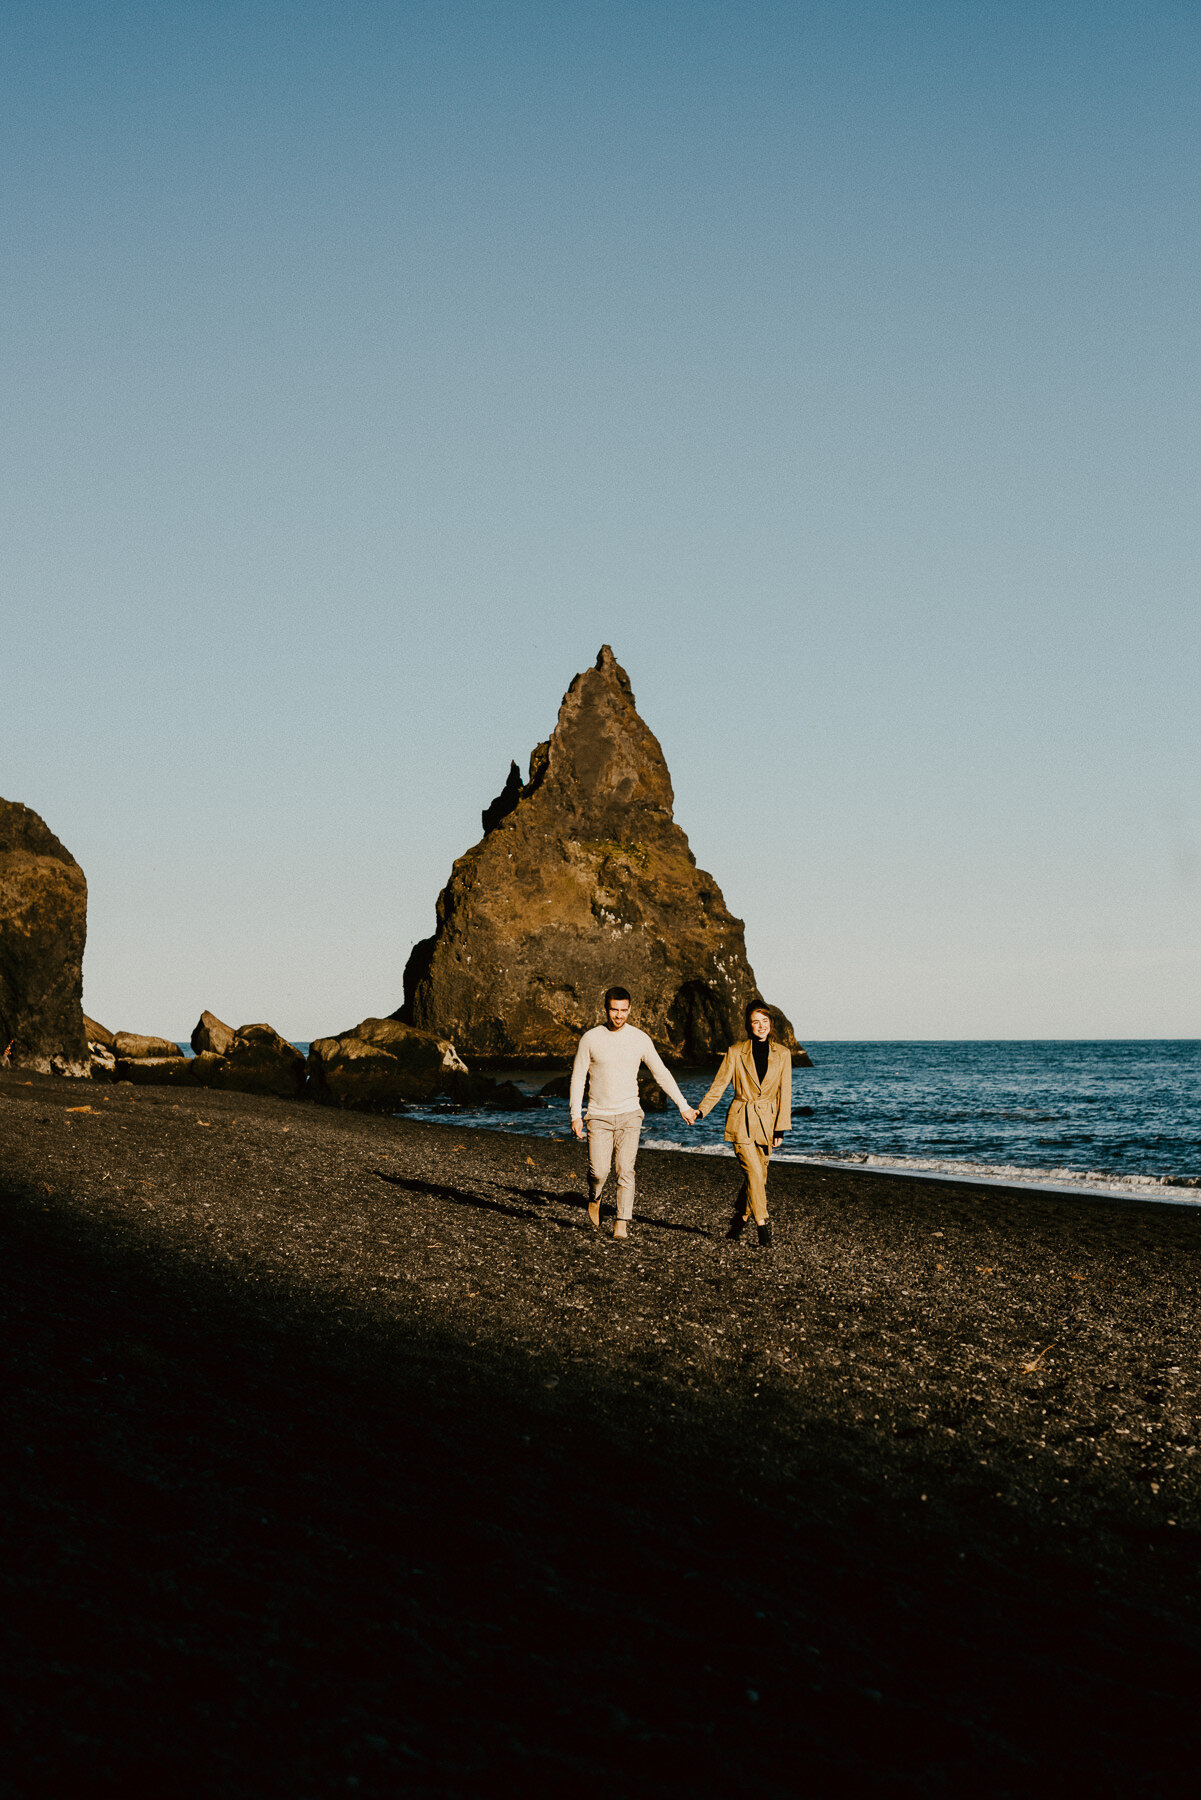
(349, 1459)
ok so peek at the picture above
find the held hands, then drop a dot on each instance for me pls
(689, 1114)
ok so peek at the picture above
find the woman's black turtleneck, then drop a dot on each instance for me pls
(761, 1051)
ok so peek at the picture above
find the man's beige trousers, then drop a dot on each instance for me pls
(614, 1141)
(754, 1159)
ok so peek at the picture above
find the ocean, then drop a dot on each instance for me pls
(1115, 1116)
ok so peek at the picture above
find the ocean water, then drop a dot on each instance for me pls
(1112, 1115)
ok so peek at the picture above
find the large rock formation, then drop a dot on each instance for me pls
(583, 881)
(43, 922)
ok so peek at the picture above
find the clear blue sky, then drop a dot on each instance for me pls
(365, 367)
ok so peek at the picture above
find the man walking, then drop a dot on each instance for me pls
(609, 1058)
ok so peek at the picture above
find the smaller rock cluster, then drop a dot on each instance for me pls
(379, 1066)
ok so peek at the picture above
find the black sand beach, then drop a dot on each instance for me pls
(343, 1457)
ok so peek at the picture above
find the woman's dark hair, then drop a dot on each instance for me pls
(615, 994)
(759, 1006)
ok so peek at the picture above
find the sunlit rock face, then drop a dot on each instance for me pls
(43, 923)
(583, 881)
(382, 1064)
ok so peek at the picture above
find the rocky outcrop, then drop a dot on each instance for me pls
(255, 1060)
(583, 881)
(382, 1063)
(210, 1034)
(43, 923)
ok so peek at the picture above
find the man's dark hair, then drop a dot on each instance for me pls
(759, 1006)
(616, 994)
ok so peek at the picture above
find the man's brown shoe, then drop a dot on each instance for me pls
(594, 1211)
(621, 1230)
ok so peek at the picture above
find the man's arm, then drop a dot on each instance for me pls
(579, 1072)
(667, 1082)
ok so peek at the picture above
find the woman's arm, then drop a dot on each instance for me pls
(784, 1105)
(720, 1083)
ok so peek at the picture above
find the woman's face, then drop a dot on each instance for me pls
(760, 1025)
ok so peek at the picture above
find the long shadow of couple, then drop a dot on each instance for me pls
(537, 1197)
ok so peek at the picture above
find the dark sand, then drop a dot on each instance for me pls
(343, 1457)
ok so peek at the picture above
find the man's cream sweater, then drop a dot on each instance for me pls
(609, 1061)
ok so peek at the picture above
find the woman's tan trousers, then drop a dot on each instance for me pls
(754, 1159)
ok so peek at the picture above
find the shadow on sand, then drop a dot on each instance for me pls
(258, 1549)
(539, 1197)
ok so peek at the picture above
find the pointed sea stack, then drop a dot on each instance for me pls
(583, 881)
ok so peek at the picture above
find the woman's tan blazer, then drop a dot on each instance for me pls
(757, 1113)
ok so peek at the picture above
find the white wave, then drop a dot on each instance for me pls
(1071, 1181)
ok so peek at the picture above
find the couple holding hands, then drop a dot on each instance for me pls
(608, 1059)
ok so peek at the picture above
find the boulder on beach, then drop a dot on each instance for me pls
(149, 1061)
(583, 881)
(155, 1071)
(43, 924)
(381, 1063)
(256, 1060)
(135, 1045)
(211, 1034)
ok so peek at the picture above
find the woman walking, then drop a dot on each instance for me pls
(760, 1112)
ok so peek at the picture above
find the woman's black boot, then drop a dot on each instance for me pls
(764, 1231)
(736, 1225)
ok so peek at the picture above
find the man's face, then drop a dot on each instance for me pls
(619, 1012)
(760, 1025)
